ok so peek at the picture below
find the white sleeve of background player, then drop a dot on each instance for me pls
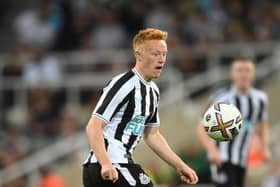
(263, 109)
(110, 100)
(216, 97)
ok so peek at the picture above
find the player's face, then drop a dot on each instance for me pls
(243, 74)
(151, 57)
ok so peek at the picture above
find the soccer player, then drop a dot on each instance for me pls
(126, 111)
(229, 159)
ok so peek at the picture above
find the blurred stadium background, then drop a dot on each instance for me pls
(57, 54)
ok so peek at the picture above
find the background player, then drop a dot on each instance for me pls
(127, 109)
(229, 159)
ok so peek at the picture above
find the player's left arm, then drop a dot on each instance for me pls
(263, 128)
(158, 144)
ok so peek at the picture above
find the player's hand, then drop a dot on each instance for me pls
(266, 153)
(187, 174)
(214, 156)
(109, 172)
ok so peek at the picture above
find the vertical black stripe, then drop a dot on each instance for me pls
(151, 109)
(143, 101)
(157, 95)
(154, 117)
(261, 110)
(113, 91)
(250, 108)
(237, 102)
(133, 137)
(130, 94)
(127, 116)
(245, 135)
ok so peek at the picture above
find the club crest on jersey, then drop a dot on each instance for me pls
(144, 179)
(136, 125)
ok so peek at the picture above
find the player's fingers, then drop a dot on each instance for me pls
(115, 176)
(192, 176)
(105, 175)
(195, 178)
(185, 179)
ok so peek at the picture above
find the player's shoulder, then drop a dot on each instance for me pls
(120, 79)
(221, 92)
(259, 93)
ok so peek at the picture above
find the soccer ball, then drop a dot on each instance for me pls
(222, 121)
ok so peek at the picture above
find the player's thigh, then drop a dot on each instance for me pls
(132, 175)
(92, 176)
(235, 175)
(221, 176)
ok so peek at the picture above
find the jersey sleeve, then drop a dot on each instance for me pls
(111, 98)
(215, 97)
(154, 120)
(263, 109)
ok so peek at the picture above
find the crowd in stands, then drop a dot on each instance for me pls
(54, 26)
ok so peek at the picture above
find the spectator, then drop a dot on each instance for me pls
(15, 145)
(42, 117)
(108, 33)
(37, 28)
(160, 17)
(41, 69)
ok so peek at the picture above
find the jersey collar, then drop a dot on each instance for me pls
(140, 77)
(240, 93)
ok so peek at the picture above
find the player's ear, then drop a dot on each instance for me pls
(137, 54)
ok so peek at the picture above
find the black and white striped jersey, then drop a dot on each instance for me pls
(127, 105)
(253, 107)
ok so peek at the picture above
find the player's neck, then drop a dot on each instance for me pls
(142, 74)
(242, 90)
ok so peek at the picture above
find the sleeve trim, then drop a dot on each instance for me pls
(153, 124)
(101, 117)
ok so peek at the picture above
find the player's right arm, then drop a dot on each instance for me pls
(211, 148)
(94, 132)
(209, 145)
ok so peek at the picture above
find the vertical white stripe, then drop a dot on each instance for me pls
(148, 101)
(155, 100)
(224, 151)
(236, 148)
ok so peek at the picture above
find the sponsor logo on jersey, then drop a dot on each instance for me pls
(136, 126)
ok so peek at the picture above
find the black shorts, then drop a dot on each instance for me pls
(228, 175)
(129, 175)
